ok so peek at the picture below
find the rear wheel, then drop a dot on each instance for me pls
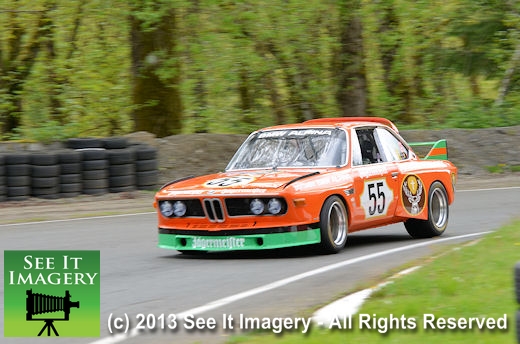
(438, 212)
(333, 225)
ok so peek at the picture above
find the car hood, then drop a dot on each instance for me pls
(236, 182)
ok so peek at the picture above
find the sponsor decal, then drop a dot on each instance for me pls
(51, 293)
(218, 243)
(229, 181)
(413, 194)
(376, 197)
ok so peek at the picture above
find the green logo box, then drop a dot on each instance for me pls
(51, 293)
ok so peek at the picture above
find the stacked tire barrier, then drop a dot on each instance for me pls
(3, 189)
(121, 170)
(71, 179)
(85, 166)
(18, 176)
(145, 167)
(45, 175)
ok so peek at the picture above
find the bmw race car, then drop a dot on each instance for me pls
(310, 183)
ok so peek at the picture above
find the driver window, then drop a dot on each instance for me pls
(368, 147)
(391, 148)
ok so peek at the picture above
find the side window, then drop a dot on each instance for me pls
(392, 149)
(356, 152)
(368, 147)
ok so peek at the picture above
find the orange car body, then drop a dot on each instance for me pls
(253, 206)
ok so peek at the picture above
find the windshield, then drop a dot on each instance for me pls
(292, 148)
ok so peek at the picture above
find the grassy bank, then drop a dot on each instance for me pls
(473, 281)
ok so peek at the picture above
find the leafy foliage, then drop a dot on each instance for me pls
(69, 68)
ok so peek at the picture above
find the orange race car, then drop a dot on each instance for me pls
(310, 183)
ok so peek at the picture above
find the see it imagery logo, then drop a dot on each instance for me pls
(51, 293)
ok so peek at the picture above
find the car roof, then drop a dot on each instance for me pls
(345, 122)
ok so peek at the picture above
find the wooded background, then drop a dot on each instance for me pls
(108, 67)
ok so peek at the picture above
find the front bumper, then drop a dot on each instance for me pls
(236, 240)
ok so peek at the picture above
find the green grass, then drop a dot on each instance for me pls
(502, 168)
(471, 281)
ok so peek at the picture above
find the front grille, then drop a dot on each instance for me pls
(214, 210)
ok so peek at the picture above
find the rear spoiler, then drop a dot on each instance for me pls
(438, 150)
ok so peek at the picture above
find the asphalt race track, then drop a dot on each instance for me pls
(139, 278)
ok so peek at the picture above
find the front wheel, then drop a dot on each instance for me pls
(438, 212)
(333, 225)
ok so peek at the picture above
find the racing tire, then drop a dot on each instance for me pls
(120, 156)
(18, 181)
(93, 154)
(438, 213)
(70, 168)
(146, 165)
(45, 171)
(3, 192)
(18, 170)
(333, 225)
(17, 159)
(69, 156)
(71, 188)
(46, 193)
(118, 181)
(84, 142)
(146, 180)
(145, 152)
(115, 142)
(94, 174)
(95, 184)
(18, 193)
(73, 178)
(44, 182)
(121, 170)
(44, 159)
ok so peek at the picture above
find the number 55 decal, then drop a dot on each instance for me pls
(376, 197)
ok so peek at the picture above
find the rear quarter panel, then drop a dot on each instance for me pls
(426, 172)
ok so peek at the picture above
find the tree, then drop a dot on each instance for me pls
(352, 86)
(155, 69)
(17, 61)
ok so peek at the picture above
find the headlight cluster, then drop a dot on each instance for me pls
(169, 208)
(258, 207)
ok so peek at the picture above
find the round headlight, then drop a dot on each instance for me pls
(166, 208)
(257, 206)
(179, 208)
(274, 206)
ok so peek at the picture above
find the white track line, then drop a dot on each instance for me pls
(349, 305)
(489, 189)
(283, 282)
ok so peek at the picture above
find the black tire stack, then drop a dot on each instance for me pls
(121, 168)
(146, 172)
(94, 165)
(70, 173)
(3, 188)
(85, 166)
(18, 176)
(94, 171)
(45, 175)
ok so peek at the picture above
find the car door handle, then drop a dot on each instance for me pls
(395, 174)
